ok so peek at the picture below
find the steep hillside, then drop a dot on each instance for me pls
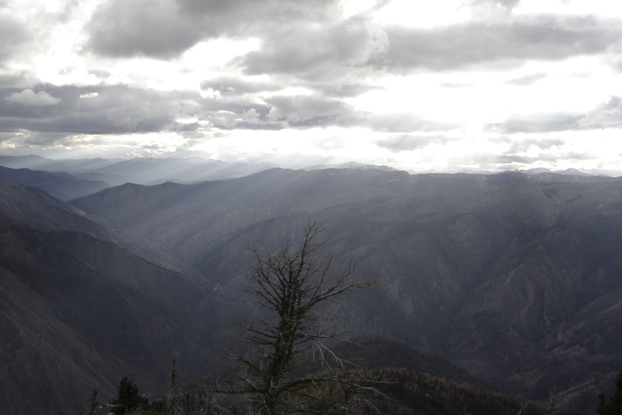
(95, 241)
(60, 185)
(80, 311)
(512, 276)
(67, 328)
(38, 209)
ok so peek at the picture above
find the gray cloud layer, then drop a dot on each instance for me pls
(166, 28)
(115, 110)
(606, 115)
(51, 113)
(13, 35)
(306, 39)
(236, 85)
(496, 161)
(306, 44)
(407, 142)
(531, 37)
(313, 51)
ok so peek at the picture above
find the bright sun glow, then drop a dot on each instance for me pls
(338, 95)
(423, 14)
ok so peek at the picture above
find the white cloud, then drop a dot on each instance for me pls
(30, 97)
(374, 81)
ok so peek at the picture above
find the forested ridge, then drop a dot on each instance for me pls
(513, 277)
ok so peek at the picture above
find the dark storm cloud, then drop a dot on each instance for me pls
(166, 28)
(46, 114)
(521, 38)
(50, 113)
(307, 40)
(142, 28)
(89, 110)
(407, 142)
(606, 115)
(314, 51)
(527, 79)
(357, 48)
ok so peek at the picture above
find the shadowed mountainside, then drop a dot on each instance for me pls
(60, 185)
(67, 328)
(513, 276)
(79, 311)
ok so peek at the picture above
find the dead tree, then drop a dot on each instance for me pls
(174, 393)
(291, 284)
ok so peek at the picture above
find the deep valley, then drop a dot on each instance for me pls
(514, 277)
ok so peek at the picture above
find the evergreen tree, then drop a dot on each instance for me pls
(128, 398)
(613, 404)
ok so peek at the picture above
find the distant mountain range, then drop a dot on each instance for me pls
(60, 185)
(138, 170)
(150, 171)
(512, 276)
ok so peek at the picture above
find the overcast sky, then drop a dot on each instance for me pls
(441, 85)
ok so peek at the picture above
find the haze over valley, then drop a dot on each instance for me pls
(511, 276)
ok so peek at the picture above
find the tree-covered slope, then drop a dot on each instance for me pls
(67, 328)
(514, 277)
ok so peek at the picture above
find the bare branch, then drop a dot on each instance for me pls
(291, 284)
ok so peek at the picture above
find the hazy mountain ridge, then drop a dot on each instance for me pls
(510, 275)
(67, 328)
(79, 311)
(138, 170)
(158, 170)
(60, 185)
(37, 208)
(71, 230)
(502, 273)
